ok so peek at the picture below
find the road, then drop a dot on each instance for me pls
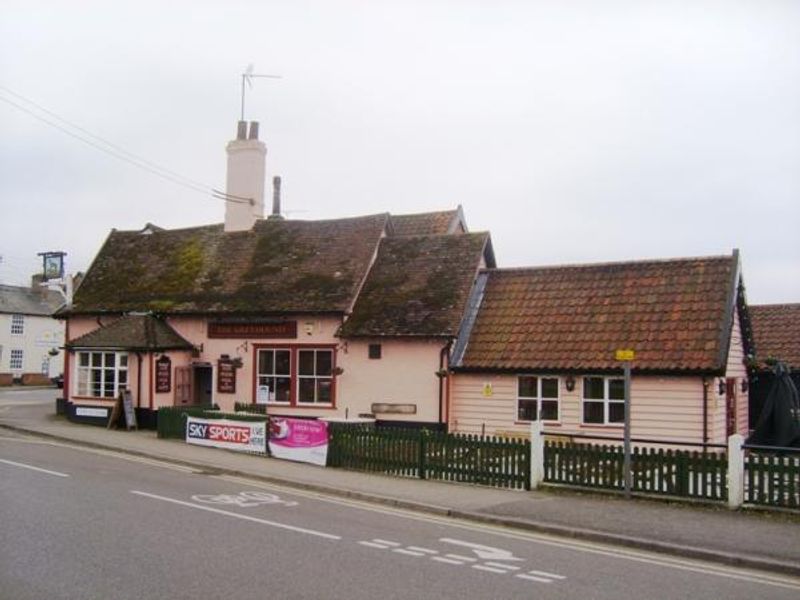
(83, 523)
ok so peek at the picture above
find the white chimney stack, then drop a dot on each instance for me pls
(245, 181)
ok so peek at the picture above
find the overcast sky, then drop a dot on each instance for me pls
(573, 131)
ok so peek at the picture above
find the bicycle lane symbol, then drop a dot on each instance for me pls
(243, 499)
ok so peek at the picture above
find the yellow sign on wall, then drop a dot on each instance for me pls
(625, 355)
(487, 389)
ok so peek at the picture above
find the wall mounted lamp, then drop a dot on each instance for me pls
(720, 386)
(745, 386)
(569, 382)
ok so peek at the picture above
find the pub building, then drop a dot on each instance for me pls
(401, 318)
(329, 318)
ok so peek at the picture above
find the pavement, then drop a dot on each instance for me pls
(748, 538)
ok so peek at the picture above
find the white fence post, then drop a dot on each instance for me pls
(537, 454)
(735, 471)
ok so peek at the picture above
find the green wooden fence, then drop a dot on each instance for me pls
(654, 470)
(772, 479)
(432, 455)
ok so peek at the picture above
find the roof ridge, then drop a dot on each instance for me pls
(655, 261)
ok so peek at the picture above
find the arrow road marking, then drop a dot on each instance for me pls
(484, 552)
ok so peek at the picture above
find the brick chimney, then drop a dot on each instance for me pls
(245, 181)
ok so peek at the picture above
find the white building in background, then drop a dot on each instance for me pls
(30, 338)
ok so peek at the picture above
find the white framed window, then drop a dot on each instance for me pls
(15, 360)
(603, 400)
(101, 374)
(275, 372)
(17, 324)
(314, 376)
(538, 398)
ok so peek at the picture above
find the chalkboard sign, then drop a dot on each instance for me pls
(123, 407)
(226, 377)
(130, 414)
(163, 375)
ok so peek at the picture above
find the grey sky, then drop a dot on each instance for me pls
(573, 131)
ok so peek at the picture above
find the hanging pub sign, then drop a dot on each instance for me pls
(226, 377)
(253, 329)
(52, 265)
(163, 375)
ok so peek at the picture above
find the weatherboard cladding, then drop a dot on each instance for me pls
(277, 266)
(418, 286)
(776, 329)
(133, 332)
(573, 318)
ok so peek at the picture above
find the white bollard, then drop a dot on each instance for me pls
(735, 471)
(537, 454)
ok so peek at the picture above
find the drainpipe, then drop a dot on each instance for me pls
(445, 351)
(139, 381)
(705, 411)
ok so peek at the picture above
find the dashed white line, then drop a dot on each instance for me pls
(423, 550)
(502, 566)
(490, 569)
(448, 561)
(546, 574)
(32, 468)
(408, 552)
(387, 543)
(462, 558)
(533, 578)
(374, 545)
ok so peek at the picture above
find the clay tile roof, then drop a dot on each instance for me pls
(418, 286)
(133, 332)
(673, 313)
(432, 223)
(776, 329)
(278, 266)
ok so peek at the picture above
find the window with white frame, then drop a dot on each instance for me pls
(315, 376)
(101, 374)
(15, 360)
(275, 372)
(17, 324)
(603, 400)
(537, 398)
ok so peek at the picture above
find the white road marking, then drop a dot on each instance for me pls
(32, 468)
(423, 550)
(246, 499)
(490, 569)
(546, 574)
(484, 552)
(532, 578)
(218, 511)
(408, 552)
(502, 566)
(387, 543)
(448, 561)
(462, 558)
(374, 545)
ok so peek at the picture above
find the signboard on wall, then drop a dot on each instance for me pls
(267, 330)
(163, 375)
(300, 440)
(226, 377)
(224, 433)
(262, 394)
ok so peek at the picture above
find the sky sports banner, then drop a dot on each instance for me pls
(222, 433)
(301, 440)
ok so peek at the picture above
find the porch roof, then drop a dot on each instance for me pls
(133, 332)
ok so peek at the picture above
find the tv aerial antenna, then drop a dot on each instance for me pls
(247, 78)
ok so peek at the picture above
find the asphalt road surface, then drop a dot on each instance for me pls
(80, 523)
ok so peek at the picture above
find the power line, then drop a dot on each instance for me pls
(118, 152)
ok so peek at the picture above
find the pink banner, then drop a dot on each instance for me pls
(302, 440)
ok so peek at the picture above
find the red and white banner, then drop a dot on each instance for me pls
(224, 433)
(302, 440)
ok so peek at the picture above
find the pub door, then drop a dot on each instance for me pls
(201, 384)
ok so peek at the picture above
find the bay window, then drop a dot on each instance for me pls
(537, 398)
(603, 400)
(101, 374)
